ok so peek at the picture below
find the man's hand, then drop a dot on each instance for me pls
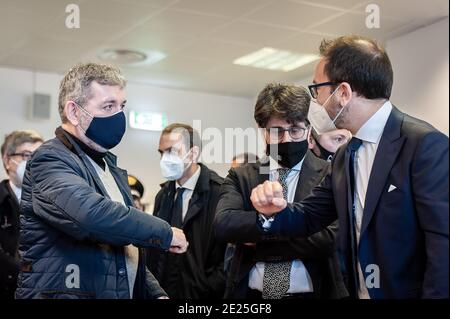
(268, 198)
(179, 244)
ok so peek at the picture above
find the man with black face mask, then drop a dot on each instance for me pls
(275, 267)
(81, 236)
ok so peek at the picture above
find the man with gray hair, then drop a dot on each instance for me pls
(16, 150)
(81, 237)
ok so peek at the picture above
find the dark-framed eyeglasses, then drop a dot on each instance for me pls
(295, 132)
(26, 156)
(313, 88)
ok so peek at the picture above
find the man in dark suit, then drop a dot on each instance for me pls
(188, 199)
(388, 186)
(16, 150)
(275, 267)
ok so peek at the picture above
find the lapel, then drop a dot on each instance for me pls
(390, 145)
(348, 195)
(197, 201)
(166, 205)
(7, 192)
(308, 177)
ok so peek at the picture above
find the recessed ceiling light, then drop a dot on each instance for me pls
(130, 57)
(274, 59)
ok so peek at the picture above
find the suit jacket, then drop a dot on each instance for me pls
(236, 222)
(197, 274)
(404, 232)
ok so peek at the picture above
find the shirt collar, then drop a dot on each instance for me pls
(17, 191)
(372, 130)
(274, 165)
(191, 182)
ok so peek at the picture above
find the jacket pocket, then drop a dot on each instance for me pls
(394, 197)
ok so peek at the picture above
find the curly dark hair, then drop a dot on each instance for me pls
(284, 101)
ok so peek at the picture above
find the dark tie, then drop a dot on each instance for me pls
(352, 148)
(171, 272)
(177, 210)
(277, 275)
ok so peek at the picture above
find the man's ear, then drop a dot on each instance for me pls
(195, 154)
(265, 134)
(6, 163)
(71, 111)
(345, 93)
(310, 139)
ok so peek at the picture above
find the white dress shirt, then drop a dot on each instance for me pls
(300, 280)
(17, 191)
(189, 186)
(131, 252)
(370, 134)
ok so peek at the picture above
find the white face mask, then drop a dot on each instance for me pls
(172, 166)
(20, 172)
(319, 118)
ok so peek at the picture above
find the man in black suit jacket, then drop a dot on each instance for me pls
(311, 263)
(199, 273)
(388, 187)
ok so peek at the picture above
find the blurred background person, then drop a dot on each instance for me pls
(325, 145)
(16, 150)
(242, 159)
(137, 191)
(188, 201)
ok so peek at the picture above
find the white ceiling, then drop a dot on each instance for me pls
(200, 37)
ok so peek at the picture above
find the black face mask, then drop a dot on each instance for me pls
(324, 154)
(289, 154)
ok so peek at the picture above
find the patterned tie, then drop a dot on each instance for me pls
(276, 277)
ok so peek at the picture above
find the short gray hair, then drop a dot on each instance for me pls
(76, 84)
(15, 139)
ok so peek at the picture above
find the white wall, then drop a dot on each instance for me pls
(421, 67)
(138, 151)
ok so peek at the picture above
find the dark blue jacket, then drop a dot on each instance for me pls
(73, 235)
(404, 231)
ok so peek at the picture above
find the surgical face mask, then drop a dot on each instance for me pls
(17, 179)
(319, 118)
(106, 131)
(173, 166)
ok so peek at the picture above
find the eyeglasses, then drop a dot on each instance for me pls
(313, 88)
(295, 132)
(26, 156)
